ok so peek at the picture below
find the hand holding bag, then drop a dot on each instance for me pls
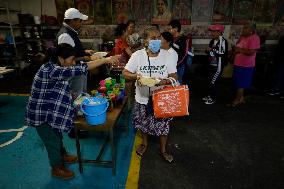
(171, 101)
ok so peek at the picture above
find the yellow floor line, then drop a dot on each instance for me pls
(13, 94)
(134, 168)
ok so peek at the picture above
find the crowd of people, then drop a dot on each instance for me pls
(63, 76)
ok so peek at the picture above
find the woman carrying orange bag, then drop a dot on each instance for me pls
(150, 62)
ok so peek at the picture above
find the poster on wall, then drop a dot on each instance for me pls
(162, 11)
(120, 11)
(265, 11)
(243, 11)
(222, 11)
(61, 7)
(140, 11)
(202, 10)
(182, 11)
(102, 12)
(86, 7)
(279, 14)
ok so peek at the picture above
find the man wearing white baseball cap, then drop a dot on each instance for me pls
(69, 34)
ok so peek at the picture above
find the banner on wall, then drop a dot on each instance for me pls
(243, 11)
(202, 10)
(140, 11)
(86, 7)
(279, 14)
(265, 11)
(102, 12)
(222, 11)
(61, 7)
(120, 11)
(162, 12)
(182, 11)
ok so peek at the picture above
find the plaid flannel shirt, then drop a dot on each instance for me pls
(50, 101)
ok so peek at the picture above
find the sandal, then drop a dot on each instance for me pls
(141, 150)
(167, 157)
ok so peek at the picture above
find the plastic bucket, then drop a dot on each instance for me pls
(95, 110)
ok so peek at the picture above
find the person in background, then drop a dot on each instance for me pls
(218, 57)
(166, 40)
(146, 62)
(244, 62)
(278, 88)
(121, 45)
(133, 39)
(182, 45)
(69, 34)
(50, 106)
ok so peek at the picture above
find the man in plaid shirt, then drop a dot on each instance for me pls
(50, 107)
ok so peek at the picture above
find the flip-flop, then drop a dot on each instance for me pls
(167, 157)
(141, 150)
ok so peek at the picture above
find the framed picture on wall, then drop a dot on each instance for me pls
(120, 11)
(86, 7)
(182, 11)
(140, 11)
(222, 11)
(265, 11)
(279, 14)
(243, 11)
(102, 12)
(162, 11)
(61, 7)
(202, 10)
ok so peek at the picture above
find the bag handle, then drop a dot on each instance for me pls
(173, 81)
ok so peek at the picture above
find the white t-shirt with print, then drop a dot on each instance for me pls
(160, 66)
(173, 56)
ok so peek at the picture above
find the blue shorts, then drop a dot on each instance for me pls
(242, 76)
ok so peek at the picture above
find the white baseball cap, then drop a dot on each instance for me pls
(73, 13)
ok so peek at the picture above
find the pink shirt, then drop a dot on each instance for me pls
(251, 42)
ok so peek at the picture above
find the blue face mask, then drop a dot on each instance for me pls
(154, 45)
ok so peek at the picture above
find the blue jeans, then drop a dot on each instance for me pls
(180, 72)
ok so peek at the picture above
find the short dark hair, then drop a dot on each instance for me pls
(175, 24)
(130, 22)
(167, 36)
(120, 28)
(63, 50)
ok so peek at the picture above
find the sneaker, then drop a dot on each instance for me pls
(209, 101)
(206, 98)
(273, 93)
(62, 173)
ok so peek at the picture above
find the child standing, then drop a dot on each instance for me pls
(218, 53)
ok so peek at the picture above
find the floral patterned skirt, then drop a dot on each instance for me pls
(147, 123)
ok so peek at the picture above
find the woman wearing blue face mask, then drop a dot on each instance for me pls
(152, 62)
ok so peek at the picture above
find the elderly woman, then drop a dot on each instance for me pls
(244, 62)
(150, 61)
